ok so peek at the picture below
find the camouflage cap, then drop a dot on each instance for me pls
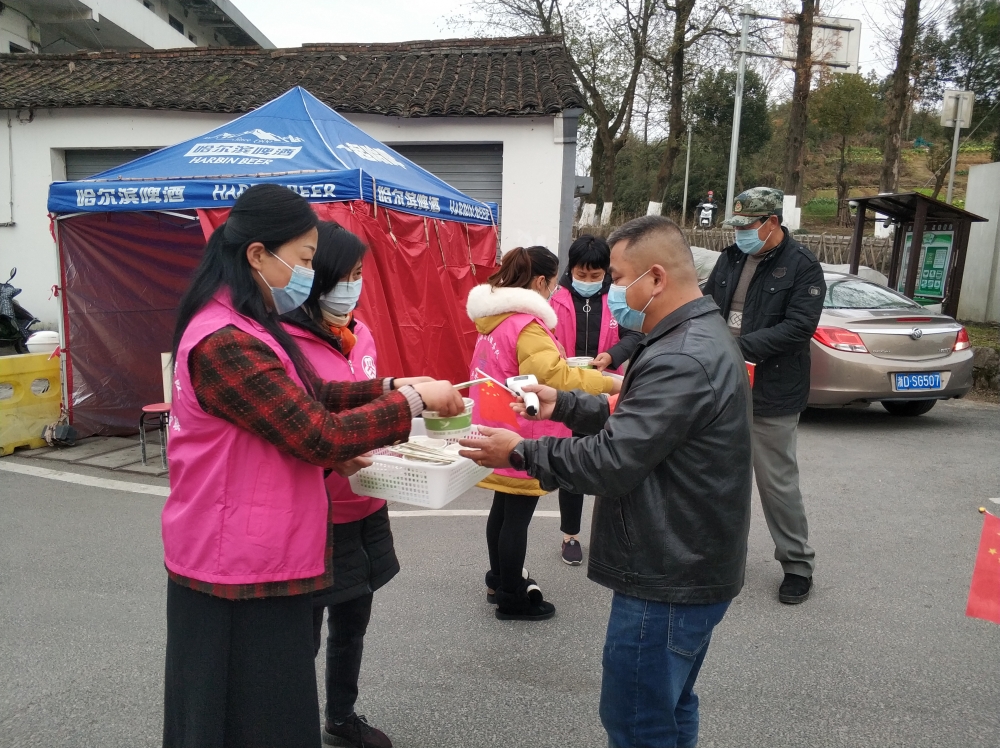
(756, 203)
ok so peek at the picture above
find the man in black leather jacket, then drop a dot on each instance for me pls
(770, 289)
(671, 472)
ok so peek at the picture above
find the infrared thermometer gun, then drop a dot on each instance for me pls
(516, 384)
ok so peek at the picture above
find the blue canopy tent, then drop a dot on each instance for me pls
(129, 239)
(295, 140)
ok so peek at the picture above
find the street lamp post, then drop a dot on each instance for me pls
(737, 113)
(687, 173)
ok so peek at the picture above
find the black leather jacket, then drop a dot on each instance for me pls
(670, 469)
(780, 314)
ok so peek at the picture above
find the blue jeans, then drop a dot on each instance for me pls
(652, 656)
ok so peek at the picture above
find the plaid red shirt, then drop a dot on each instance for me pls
(238, 378)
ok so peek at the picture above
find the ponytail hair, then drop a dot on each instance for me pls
(522, 265)
(265, 213)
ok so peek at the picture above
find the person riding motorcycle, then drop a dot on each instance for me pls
(707, 210)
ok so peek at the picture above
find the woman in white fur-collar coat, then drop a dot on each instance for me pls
(515, 324)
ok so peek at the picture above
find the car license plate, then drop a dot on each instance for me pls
(930, 380)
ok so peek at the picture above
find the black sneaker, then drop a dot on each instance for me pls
(794, 589)
(572, 552)
(356, 733)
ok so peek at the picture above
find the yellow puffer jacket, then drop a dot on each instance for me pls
(536, 354)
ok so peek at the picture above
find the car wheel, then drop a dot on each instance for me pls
(909, 408)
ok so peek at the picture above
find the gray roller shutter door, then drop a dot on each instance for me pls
(476, 170)
(84, 164)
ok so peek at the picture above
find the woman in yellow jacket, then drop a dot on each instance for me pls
(515, 323)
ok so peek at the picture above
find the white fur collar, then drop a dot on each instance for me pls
(486, 301)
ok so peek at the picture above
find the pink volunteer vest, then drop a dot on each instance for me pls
(562, 303)
(496, 354)
(331, 366)
(239, 511)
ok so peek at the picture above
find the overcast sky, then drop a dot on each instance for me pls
(289, 23)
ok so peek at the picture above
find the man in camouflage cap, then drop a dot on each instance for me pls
(770, 289)
(755, 204)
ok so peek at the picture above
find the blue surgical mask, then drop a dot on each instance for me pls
(627, 317)
(749, 241)
(295, 292)
(586, 290)
(342, 299)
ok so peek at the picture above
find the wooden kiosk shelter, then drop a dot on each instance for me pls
(915, 215)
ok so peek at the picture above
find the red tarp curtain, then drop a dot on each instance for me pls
(125, 274)
(122, 276)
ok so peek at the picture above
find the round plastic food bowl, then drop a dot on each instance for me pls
(449, 427)
(44, 341)
(581, 362)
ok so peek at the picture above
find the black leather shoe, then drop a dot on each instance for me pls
(355, 732)
(794, 589)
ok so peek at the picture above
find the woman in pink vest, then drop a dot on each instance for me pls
(515, 324)
(246, 530)
(341, 348)
(587, 328)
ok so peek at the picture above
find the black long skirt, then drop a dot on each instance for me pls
(239, 672)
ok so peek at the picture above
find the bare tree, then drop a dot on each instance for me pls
(899, 97)
(606, 44)
(685, 35)
(798, 117)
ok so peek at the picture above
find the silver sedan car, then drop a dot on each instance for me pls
(874, 344)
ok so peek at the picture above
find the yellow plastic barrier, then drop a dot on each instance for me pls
(30, 393)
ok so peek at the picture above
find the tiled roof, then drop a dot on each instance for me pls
(455, 77)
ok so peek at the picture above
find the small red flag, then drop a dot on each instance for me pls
(494, 405)
(984, 593)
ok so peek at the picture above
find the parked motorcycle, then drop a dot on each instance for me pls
(15, 321)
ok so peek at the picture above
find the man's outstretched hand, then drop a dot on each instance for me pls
(492, 448)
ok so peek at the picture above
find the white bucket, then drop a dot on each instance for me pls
(44, 341)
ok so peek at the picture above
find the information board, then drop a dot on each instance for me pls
(935, 258)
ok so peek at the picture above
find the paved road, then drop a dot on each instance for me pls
(881, 656)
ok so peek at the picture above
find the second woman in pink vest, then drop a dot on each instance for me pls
(341, 348)
(587, 328)
(515, 324)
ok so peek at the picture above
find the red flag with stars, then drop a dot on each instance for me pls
(494, 405)
(984, 593)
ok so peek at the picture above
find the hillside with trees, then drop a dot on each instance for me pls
(648, 69)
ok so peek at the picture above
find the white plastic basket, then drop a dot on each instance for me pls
(420, 484)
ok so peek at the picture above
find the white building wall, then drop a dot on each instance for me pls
(534, 158)
(980, 299)
(17, 28)
(533, 167)
(148, 26)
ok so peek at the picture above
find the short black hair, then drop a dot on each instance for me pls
(590, 252)
(639, 228)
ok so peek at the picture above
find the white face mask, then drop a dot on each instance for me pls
(342, 299)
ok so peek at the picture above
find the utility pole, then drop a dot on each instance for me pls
(734, 144)
(687, 173)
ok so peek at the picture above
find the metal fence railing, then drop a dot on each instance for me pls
(829, 248)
